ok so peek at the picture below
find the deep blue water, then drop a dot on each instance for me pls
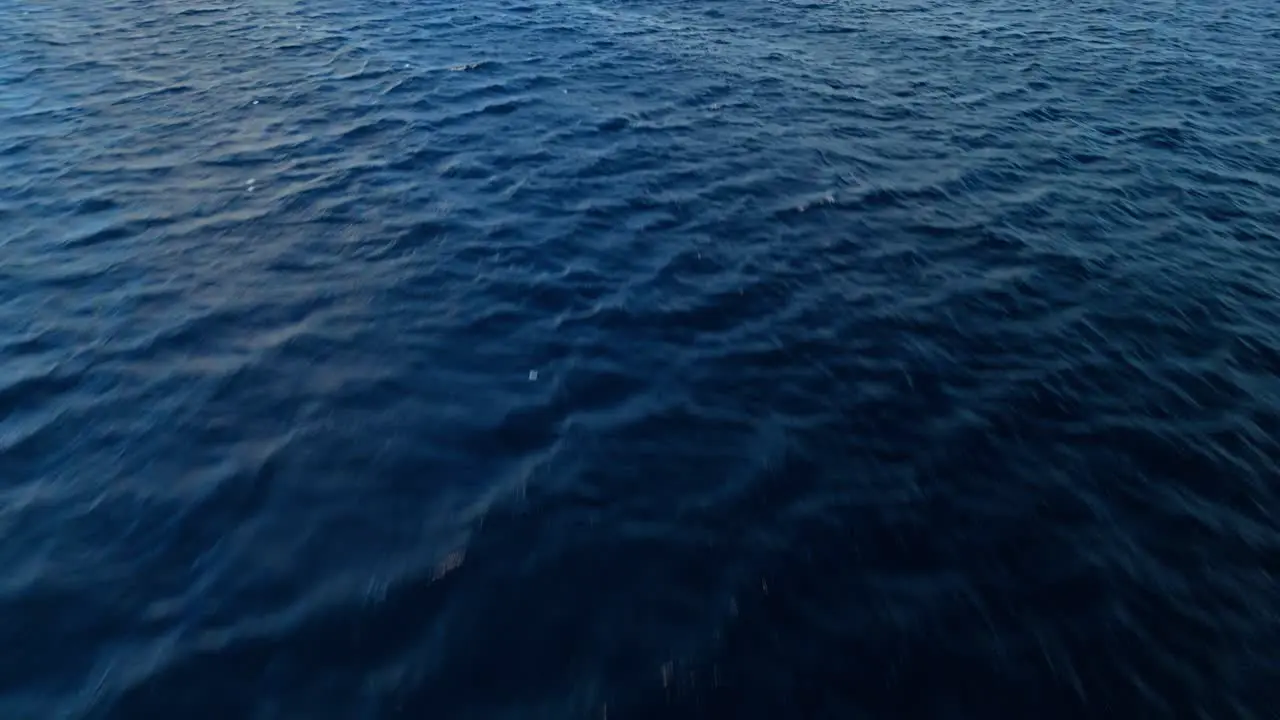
(643, 359)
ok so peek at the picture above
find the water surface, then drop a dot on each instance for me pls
(658, 358)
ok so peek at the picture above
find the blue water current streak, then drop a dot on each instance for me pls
(646, 358)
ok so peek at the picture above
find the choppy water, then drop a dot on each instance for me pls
(661, 358)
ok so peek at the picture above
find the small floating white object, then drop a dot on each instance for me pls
(255, 102)
(533, 375)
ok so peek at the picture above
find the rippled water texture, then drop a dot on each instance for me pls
(647, 359)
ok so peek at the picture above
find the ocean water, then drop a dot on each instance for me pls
(639, 359)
